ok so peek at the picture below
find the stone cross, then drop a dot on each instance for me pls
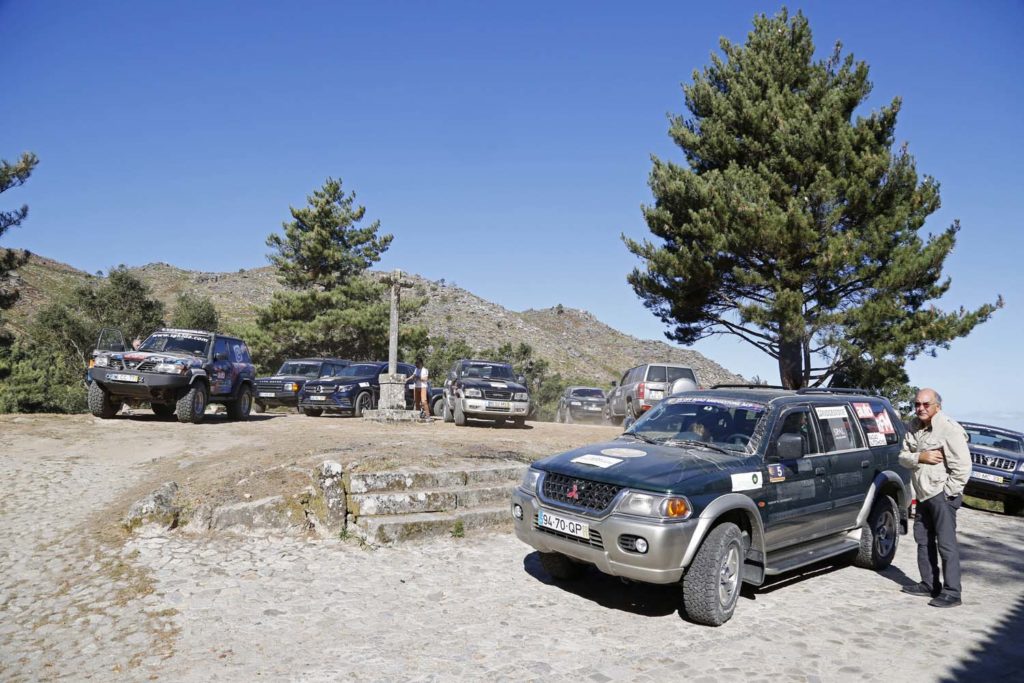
(395, 280)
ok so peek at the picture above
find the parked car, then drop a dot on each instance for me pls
(717, 488)
(353, 390)
(997, 456)
(580, 404)
(485, 390)
(282, 388)
(174, 371)
(643, 386)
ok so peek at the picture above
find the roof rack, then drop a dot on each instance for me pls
(748, 386)
(833, 390)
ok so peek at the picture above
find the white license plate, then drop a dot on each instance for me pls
(655, 393)
(122, 377)
(266, 394)
(987, 477)
(317, 398)
(563, 525)
(593, 409)
(499, 404)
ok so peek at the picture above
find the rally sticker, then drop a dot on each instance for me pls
(863, 410)
(776, 473)
(830, 412)
(364, 384)
(499, 385)
(884, 423)
(746, 481)
(876, 439)
(624, 452)
(596, 460)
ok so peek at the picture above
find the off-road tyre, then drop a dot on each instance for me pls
(460, 417)
(448, 417)
(612, 420)
(312, 412)
(1013, 506)
(879, 535)
(560, 567)
(239, 408)
(258, 408)
(192, 405)
(711, 585)
(364, 401)
(162, 410)
(437, 407)
(558, 415)
(100, 403)
(567, 418)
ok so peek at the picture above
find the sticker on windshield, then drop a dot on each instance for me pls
(596, 460)
(830, 412)
(746, 481)
(624, 452)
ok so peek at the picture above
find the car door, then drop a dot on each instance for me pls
(850, 463)
(798, 504)
(220, 367)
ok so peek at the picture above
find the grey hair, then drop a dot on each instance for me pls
(938, 397)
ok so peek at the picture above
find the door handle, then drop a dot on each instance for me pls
(865, 463)
(819, 470)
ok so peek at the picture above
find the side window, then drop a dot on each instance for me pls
(239, 352)
(625, 378)
(878, 423)
(221, 346)
(636, 374)
(799, 422)
(838, 432)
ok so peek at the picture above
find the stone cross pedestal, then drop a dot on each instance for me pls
(391, 407)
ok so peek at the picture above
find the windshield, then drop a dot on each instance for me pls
(719, 422)
(984, 437)
(176, 343)
(359, 370)
(587, 393)
(311, 370)
(488, 371)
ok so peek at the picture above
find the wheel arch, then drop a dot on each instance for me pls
(743, 512)
(891, 484)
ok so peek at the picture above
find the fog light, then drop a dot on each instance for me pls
(641, 545)
(517, 511)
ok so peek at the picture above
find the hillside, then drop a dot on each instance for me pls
(574, 342)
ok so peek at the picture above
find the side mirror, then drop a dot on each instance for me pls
(614, 384)
(790, 446)
(451, 375)
(220, 356)
(521, 379)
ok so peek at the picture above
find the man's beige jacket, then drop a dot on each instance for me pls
(949, 476)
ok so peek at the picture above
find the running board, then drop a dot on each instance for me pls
(809, 553)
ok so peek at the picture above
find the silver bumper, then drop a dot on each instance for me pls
(480, 407)
(662, 563)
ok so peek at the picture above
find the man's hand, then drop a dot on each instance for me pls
(930, 457)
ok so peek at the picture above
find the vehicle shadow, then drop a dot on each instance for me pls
(143, 415)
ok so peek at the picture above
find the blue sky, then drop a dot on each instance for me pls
(506, 146)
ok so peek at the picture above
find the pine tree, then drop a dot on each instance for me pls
(12, 175)
(794, 224)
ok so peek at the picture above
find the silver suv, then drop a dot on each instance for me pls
(642, 387)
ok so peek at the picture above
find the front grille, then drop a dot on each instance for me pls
(994, 461)
(498, 394)
(115, 364)
(579, 493)
(269, 384)
(595, 536)
(147, 365)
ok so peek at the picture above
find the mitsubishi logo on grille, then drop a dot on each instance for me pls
(574, 492)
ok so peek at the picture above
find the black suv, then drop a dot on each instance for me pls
(174, 371)
(724, 486)
(282, 388)
(485, 390)
(580, 404)
(997, 456)
(355, 389)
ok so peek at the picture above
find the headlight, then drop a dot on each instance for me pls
(102, 361)
(344, 387)
(575, 403)
(472, 393)
(170, 368)
(655, 505)
(1021, 466)
(530, 479)
(521, 396)
(291, 386)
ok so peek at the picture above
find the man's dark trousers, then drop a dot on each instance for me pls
(935, 533)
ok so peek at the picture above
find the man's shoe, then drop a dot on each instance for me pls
(945, 600)
(919, 589)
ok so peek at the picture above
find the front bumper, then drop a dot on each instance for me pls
(662, 563)
(276, 398)
(582, 413)
(1010, 484)
(490, 410)
(326, 402)
(147, 385)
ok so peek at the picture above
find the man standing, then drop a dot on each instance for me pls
(935, 450)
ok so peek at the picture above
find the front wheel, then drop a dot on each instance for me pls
(240, 407)
(100, 403)
(879, 535)
(711, 585)
(460, 417)
(192, 406)
(363, 403)
(437, 407)
(448, 417)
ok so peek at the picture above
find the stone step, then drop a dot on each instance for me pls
(426, 480)
(430, 500)
(393, 528)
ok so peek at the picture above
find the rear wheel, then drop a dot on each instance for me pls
(711, 585)
(363, 402)
(100, 403)
(879, 535)
(610, 417)
(162, 410)
(240, 407)
(192, 406)
(560, 567)
(312, 412)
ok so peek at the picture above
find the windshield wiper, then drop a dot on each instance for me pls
(702, 444)
(641, 437)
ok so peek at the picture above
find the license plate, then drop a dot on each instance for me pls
(122, 377)
(317, 398)
(563, 525)
(499, 404)
(266, 394)
(987, 477)
(592, 408)
(655, 393)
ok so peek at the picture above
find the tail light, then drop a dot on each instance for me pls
(640, 388)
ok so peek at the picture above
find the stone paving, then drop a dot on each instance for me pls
(170, 606)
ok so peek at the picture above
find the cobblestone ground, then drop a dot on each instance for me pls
(167, 606)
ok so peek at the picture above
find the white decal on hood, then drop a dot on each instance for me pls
(596, 460)
(500, 385)
(624, 452)
(746, 481)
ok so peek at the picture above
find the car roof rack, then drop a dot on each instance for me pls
(748, 386)
(833, 390)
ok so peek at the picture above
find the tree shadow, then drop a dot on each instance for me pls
(997, 656)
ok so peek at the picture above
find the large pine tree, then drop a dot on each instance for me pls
(794, 224)
(12, 175)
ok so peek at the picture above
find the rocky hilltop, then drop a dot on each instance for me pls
(574, 342)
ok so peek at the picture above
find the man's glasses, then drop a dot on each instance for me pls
(925, 404)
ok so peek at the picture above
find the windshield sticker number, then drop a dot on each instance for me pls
(746, 481)
(597, 460)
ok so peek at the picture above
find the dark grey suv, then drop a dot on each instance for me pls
(997, 456)
(712, 489)
(642, 387)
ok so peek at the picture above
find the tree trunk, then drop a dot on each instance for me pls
(791, 372)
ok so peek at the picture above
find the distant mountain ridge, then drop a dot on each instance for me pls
(574, 342)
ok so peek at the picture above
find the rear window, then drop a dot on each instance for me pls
(877, 422)
(667, 373)
(587, 393)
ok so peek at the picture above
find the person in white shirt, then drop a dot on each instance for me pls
(419, 389)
